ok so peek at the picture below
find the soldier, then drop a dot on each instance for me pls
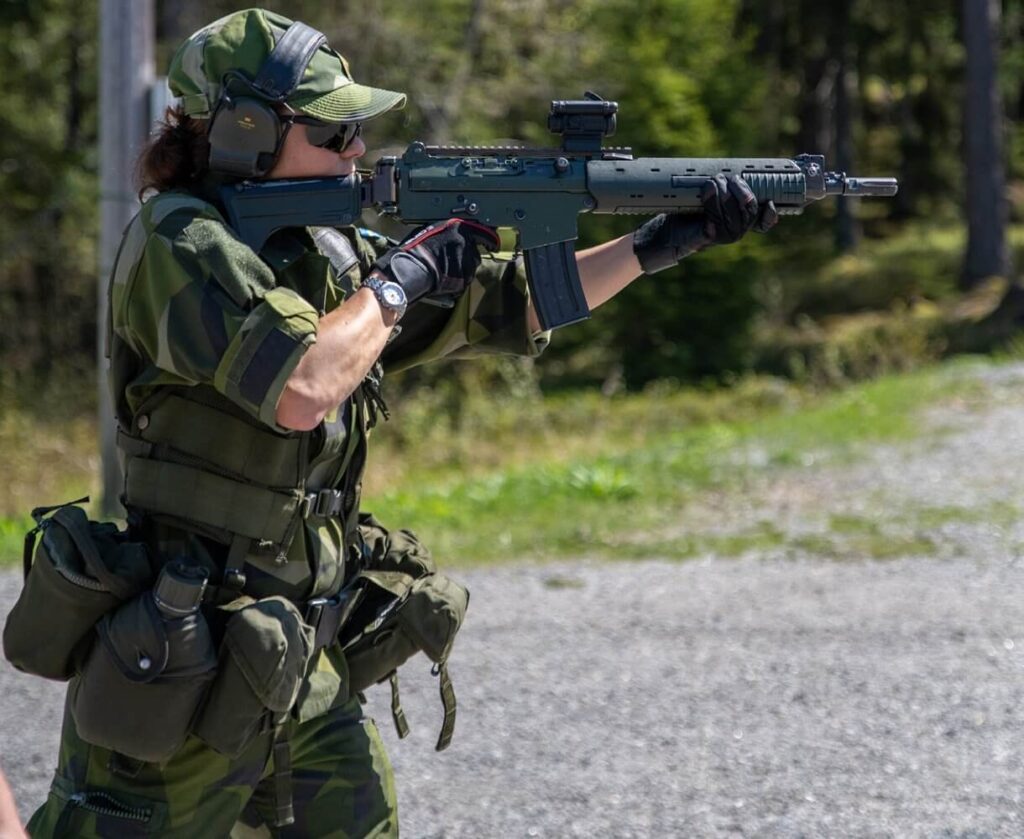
(242, 381)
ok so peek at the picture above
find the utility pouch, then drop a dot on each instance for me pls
(143, 681)
(263, 658)
(425, 617)
(81, 570)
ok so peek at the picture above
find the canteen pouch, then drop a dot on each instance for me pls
(143, 681)
(81, 570)
(263, 658)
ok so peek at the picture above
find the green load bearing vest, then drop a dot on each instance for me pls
(194, 460)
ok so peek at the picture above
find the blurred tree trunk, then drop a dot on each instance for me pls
(843, 49)
(987, 251)
(817, 75)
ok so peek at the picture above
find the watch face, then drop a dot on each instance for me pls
(393, 295)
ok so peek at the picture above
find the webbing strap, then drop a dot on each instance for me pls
(133, 446)
(187, 492)
(26, 553)
(448, 701)
(397, 714)
(283, 69)
(234, 567)
(284, 813)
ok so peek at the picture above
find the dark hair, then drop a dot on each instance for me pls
(176, 156)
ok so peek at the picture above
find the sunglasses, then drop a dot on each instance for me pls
(333, 136)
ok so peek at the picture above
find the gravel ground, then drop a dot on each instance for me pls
(779, 694)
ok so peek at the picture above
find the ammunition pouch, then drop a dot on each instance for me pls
(142, 683)
(80, 571)
(407, 607)
(263, 658)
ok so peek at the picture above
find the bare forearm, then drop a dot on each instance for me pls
(349, 341)
(605, 270)
(10, 826)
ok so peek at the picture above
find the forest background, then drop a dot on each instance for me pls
(847, 291)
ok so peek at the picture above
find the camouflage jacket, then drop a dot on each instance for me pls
(194, 311)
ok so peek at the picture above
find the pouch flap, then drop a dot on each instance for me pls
(397, 550)
(76, 523)
(384, 593)
(394, 582)
(433, 614)
(136, 638)
(271, 645)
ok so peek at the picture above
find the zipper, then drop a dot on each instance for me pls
(80, 580)
(93, 803)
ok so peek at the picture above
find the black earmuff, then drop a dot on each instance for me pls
(245, 129)
(245, 136)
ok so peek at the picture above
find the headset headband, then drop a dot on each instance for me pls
(282, 70)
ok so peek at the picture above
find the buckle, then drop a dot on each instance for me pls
(326, 502)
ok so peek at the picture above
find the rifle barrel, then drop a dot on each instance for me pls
(840, 184)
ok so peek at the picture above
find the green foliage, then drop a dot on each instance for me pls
(48, 179)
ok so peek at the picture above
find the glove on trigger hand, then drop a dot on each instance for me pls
(437, 260)
(728, 210)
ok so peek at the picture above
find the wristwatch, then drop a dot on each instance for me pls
(390, 295)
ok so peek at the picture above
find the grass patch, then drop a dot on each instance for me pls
(871, 544)
(1000, 514)
(49, 451)
(627, 488)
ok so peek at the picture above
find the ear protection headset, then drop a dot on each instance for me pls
(246, 132)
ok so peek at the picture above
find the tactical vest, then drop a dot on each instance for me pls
(193, 460)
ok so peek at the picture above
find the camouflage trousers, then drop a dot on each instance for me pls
(342, 786)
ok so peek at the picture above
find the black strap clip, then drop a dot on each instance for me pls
(323, 504)
(327, 615)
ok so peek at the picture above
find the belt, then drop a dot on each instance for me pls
(327, 615)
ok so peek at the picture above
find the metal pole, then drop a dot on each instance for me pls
(127, 36)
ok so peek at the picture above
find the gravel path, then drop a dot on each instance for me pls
(778, 694)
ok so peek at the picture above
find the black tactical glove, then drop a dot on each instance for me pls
(730, 209)
(439, 260)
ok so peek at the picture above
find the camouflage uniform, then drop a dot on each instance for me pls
(195, 311)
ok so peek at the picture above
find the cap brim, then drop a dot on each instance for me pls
(351, 103)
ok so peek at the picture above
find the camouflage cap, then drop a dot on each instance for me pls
(241, 41)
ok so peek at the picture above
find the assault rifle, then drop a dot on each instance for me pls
(537, 191)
